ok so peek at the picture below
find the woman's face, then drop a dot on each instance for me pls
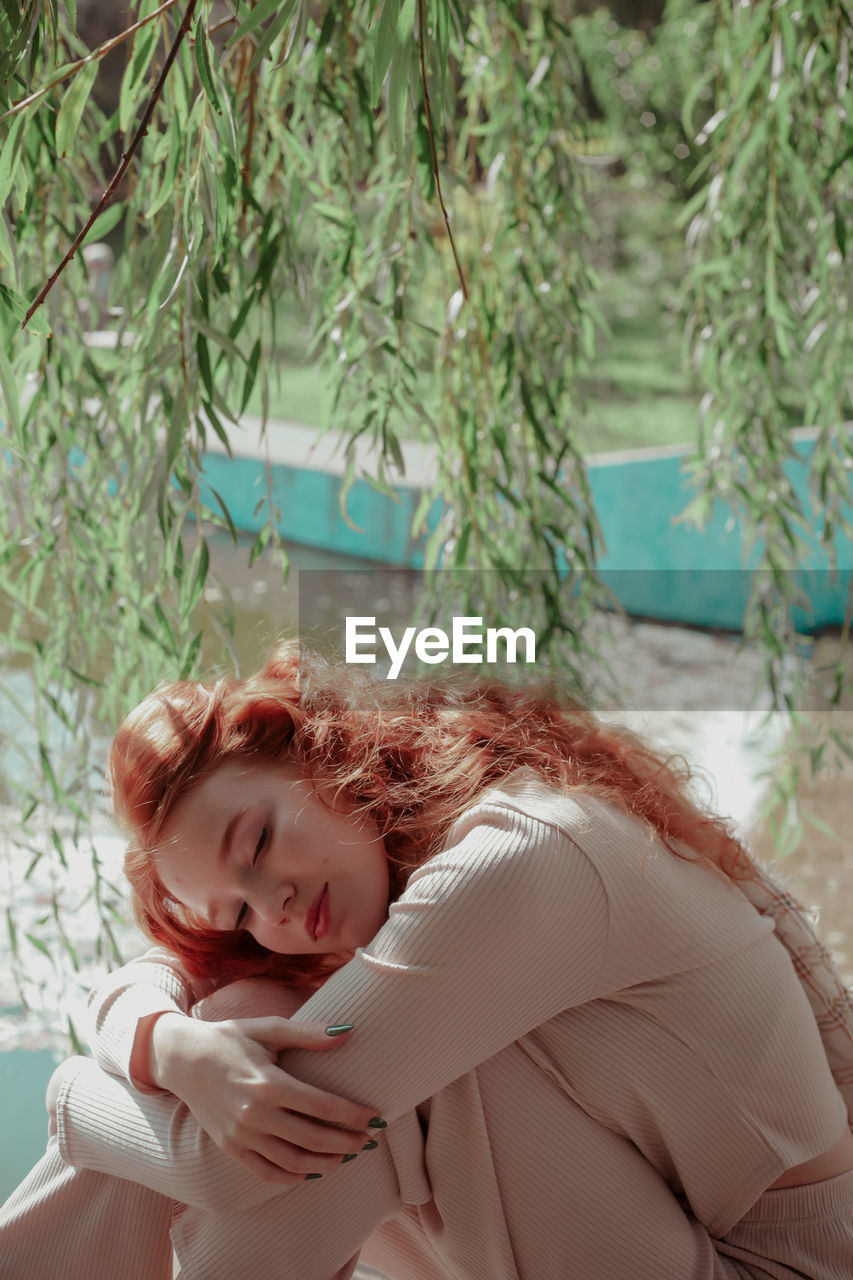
(254, 847)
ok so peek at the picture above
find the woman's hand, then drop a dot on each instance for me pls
(279, 1128)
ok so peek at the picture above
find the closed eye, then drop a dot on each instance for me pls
(261, 845)
(260, 848)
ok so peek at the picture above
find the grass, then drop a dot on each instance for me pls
(637, 393)
(636, 396)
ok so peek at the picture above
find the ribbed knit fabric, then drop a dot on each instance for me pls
(609, 1048)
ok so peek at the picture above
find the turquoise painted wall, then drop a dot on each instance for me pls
(655, 567)
(307, 501)
(675, 572)
(23, 1120)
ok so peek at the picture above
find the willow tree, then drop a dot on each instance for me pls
(770, 325)
(407, 175)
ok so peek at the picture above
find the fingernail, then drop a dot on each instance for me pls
(309, 1176)
(371, 1145)
(339, 1031)
(377, 1123)
(352, 1155)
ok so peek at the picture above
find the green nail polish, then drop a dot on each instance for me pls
(309, 1176)
(377, 1123)
(352, 1155)
(339, 1031)
(371, 1145)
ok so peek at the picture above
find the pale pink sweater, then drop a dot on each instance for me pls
(644, 985)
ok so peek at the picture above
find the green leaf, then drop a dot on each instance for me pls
(72, 108)
(406, 21)
(435, 543)
(427, 499)
(18, 307)
(226, 516)
(10, 156)
(167, 186)
(77, 1045)
(144, 44)
(202, 565)
(7, 248)
(222, 340)
(285, 13)
(386, 34)
(381, 485)
(262, 10)
(47, 771)
(13, 933)
(56, 841)
(39, 945)
(191, 656)
(840, 229)
(13, 303)
(104, 223)
(260, 542)
(166, 627)
(332, 213)
(204, 366)
(205, 70)
(398, 94)
(16, 23)
(251, 375)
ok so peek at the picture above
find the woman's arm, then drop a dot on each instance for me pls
(125, 1007)
(501, 931)
(504, 929)
(104, 1124)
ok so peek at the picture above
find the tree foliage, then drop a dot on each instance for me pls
(770, 284)
(408, 176)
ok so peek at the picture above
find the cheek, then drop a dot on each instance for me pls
(380, 876)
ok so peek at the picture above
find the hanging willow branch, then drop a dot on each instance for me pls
(95, 56)
(434, 151)
(112, 185)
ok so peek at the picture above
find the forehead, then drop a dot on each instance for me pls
(233, 779)
(214, 799)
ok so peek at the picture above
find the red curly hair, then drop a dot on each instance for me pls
(412, 756)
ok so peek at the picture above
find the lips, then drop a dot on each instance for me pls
(317, 916)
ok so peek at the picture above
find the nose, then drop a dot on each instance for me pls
(270, 902)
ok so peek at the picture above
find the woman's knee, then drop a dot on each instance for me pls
(250, 998)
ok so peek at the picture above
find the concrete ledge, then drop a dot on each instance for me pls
(656, 568)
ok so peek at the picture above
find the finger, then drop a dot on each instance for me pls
(292, 1159)
(307, 1135)
(267, 1171)
(284, 1033)
(305, 1099)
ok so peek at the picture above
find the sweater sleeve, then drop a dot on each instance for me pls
(105, 1125)
(492, 937)
(152, 983)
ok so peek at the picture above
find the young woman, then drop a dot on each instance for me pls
(590, 1037)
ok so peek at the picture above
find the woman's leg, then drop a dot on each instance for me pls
(797, 1231)
(64, 1223)
(526, 1186)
